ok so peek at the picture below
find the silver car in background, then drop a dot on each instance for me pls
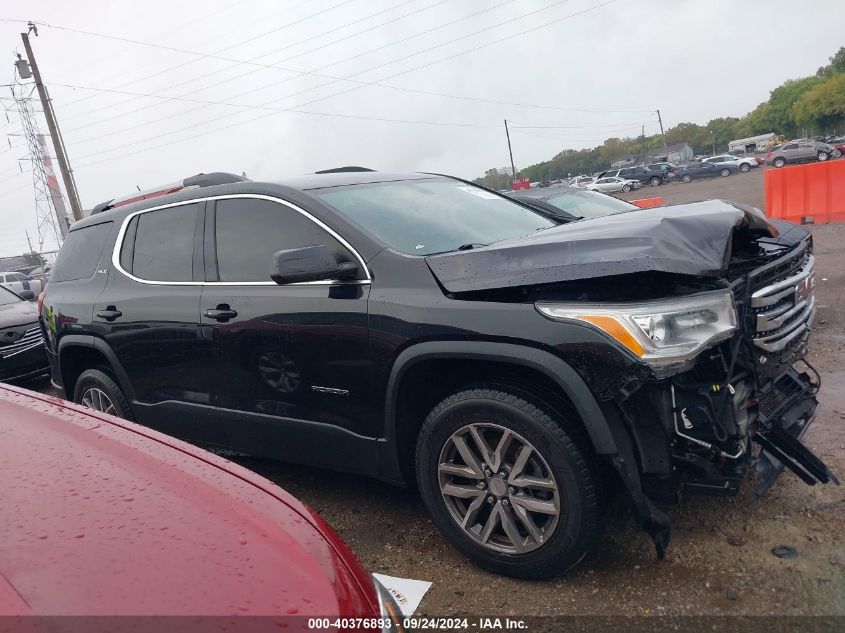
(799, 152)
(613, 184)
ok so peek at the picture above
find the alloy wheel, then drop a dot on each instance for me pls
(498, 488)
(97, 400)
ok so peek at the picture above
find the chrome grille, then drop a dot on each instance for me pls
(31, 339)
(783, 310)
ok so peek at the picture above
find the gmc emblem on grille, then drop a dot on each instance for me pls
(804, 288)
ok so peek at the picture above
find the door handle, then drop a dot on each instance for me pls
(110, 313)
(221, 313)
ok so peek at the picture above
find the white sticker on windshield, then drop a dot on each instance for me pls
(479, 193)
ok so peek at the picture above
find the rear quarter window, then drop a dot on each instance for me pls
(81, 252)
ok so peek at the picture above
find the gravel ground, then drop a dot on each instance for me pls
(720, 561)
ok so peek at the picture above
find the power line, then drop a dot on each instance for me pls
(249, 62)
(172, 142)
(174, 49)
(295, 71)
(274, 100)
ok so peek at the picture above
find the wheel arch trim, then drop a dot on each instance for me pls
(92, 342)
(560, 372)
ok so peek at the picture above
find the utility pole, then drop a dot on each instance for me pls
(510, 151)
(46, 105)
(665, 147)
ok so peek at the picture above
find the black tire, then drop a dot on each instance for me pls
(686, 179)
(822, 156)
(745, 168)
(626, 188)
(779, 162)
(575, 469)
(725, 172)
(98, 379)
(655, 181)
(835, 153)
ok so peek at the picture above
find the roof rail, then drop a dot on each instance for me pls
(200, 180)
(340, 170)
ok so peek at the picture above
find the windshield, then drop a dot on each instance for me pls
(7, 297)
(586, 204)
(422, 217)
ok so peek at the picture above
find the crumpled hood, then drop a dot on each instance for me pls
(688, 239)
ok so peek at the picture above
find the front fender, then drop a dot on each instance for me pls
(556, 369)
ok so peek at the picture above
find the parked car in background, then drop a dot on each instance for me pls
(579, 182)
(569, 204)
(21, 342)
(18, 282)
(111, 518)
(612, 184)
(668, 169)
(742, 163)
(640, 173)
(799, 152)
(703, 169)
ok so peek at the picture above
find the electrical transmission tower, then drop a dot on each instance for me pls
(50, 210)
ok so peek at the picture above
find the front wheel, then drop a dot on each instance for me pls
(506, 484)
(626, 188)
(686, 179)
(725, 172)
(779, 162)
(822, 156)
(835, 153)
(96, 390)
(745, 168)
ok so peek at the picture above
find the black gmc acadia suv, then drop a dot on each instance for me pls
(420, 329)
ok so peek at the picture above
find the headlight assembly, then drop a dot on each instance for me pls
(667, 334)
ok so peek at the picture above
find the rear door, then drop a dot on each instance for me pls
(149, 316)
(289, 366)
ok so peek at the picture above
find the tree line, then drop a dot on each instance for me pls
(798, 107)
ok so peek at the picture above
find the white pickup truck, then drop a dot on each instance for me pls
(18, 282)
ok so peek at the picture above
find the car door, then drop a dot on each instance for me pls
(148, 315)
(290, 367)
(806, 151)
(790, 152)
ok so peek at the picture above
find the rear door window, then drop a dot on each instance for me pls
(81, 252)
(164, 244)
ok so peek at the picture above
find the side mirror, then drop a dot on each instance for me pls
(26, 295)
(311, 263)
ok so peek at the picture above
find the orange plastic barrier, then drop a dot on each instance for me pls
(648, 203)
(805, 194)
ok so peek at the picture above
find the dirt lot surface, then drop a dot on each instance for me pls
(720, 560)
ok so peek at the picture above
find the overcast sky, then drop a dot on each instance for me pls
(598, 73)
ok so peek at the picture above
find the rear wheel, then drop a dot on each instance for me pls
(725, 172)
(779, 162)
(96, 390)
(655, 181)
(745, 168)
(506, 484)
(822, 156)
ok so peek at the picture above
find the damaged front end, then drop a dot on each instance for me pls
(746, 402)
(713, 303)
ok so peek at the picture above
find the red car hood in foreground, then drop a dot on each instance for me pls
(99, 516)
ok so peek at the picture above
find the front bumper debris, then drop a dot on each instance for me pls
(780, 434)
